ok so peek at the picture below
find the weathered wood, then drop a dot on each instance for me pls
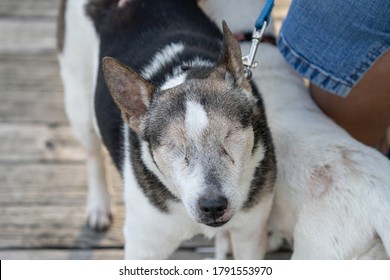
(62, 254)
(88, 254)
(37, 142)
(29, 35)
(41, 177)
(54, 227)
(108, 254)
(30, 87)
(28, 8)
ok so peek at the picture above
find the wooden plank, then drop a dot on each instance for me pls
(37, 142)
(49, 184)
(27, 36)
(94, 254)
(54, 227)
(28, 8)
(62, 254)
(43, 205)
(31, 90)
(41, 177)
(110, 254)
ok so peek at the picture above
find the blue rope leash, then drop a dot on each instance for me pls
(260, 26)
(264, 15)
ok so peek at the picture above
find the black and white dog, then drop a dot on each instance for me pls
(164, 90)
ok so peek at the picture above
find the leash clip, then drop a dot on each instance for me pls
(260, 26)
(248, 60)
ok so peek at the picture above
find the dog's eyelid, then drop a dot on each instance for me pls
(225, 151)
(231, 132)
(172, 146)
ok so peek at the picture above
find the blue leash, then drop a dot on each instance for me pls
(260, 26)
(265, 15)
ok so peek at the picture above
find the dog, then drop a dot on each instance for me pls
(159, 85)
(332, 193)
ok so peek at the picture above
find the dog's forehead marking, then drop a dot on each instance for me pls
(179, 76)
(162, 58)
(174, 81)
(196, 120)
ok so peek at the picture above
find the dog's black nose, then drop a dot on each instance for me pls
(213, 208)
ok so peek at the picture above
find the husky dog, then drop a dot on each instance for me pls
(164, 90)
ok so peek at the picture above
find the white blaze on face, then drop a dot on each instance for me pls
(196, 121)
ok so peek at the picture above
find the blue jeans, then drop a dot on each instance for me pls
(334, 42)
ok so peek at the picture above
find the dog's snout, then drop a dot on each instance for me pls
(213, 208)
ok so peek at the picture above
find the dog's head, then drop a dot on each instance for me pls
(198, 137)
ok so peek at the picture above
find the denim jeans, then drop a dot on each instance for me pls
(334, 42)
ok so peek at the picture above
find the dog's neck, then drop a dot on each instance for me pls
(283, 95)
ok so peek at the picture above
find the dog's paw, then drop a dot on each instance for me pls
(275, 241)
(99, 219)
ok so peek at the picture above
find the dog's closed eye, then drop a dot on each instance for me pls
(224, 151)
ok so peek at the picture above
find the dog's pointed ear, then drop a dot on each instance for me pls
(130, 91)
(231, 57)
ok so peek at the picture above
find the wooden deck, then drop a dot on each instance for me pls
(42, 172)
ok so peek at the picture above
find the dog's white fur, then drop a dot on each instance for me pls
(332, 193)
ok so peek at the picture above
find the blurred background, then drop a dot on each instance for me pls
(42, 174)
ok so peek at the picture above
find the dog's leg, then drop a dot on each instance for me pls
(79, 64)
(249, 241)
(275, 241)
(149, 244)
(250, 244)
(152, 235)
(222, 245)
